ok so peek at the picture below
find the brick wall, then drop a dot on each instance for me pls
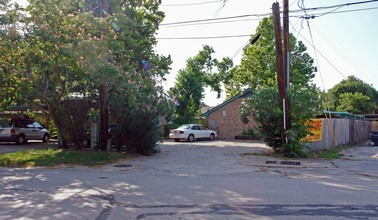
(227, 121)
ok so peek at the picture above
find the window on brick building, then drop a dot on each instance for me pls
(224, 113)
(213, 123)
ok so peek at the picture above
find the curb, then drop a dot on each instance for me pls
(263, 161)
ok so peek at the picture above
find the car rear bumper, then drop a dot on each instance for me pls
(8, 138)
(177, 136)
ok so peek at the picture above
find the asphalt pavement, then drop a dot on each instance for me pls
(197, 180)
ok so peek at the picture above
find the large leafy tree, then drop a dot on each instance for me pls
(200, 71)
(258, 65)
(257, 70)
(63, 49)
(352, 95)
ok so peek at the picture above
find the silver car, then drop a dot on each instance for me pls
(192, 131)
(22, 130)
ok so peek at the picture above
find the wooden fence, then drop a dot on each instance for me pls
(374, 126)
(345, 131)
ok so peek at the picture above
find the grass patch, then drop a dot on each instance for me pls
(53, 157)
(332, 153)
(267, 154)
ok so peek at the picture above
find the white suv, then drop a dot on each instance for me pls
(22, 130)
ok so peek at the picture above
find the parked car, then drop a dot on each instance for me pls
(22, 130)
(192, 131)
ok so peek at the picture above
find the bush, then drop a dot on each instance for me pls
(262, 106)
(138, 120)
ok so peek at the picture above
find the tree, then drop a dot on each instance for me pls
(198, 73)
(64, 50)
(258, 65)
(355, 103)
(258, 71)
(263, 108)
(352, 95)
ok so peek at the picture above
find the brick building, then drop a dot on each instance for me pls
(225, 118)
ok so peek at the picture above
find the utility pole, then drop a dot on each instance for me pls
(104, 111)
(281, 79)
(286, 42)
(285, 16)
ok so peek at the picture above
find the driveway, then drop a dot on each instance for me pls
(12, 147)
(188, 180)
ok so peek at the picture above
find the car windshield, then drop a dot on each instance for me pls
(184, 127)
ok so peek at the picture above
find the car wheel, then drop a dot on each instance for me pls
(212, 137)
(20, 139)
(177, 140)
(45, 138)
(191, 138)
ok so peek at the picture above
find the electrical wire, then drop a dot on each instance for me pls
(333, 6)
(190, 4)
(216, 19)
(200, 38)
(316, 54)
(239, 50)
(335, 12)
(320, 54)
(221, 7)
(216, 22)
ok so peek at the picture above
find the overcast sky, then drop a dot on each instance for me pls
(345, 41)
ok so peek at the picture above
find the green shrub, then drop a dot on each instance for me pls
(263, 107)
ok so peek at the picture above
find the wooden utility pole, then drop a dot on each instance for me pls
(286, 41)
(104, 110)
(281, 79)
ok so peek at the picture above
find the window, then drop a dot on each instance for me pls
(213, 123)
(224, 113)
(202, 128)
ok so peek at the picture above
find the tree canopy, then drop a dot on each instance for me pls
(200, 71)
(55, 50)
(258, 64)
(352, 95)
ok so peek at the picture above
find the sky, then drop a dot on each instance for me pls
(345, 42)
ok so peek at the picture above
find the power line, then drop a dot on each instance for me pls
(335, 12)
(316, 54)
(321, 54)
(189, 4)
(239, 50)
(221, 7)
(216, 19)
(333, 6)
(199, 38)
(216, 22)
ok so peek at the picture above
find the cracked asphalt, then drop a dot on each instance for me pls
(197, 180)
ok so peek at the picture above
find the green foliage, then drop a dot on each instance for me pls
(138, 124)
(57, 50)
(352, 95)
(258, 65)
(191, 81)
(262, 106)
(251, 131)
(355, 103)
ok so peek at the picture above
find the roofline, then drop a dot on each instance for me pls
(242, 94)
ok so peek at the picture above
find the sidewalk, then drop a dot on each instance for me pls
(359, 159)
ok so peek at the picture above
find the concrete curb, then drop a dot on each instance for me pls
(264, 161)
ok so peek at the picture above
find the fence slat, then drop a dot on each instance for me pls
(346, 131)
